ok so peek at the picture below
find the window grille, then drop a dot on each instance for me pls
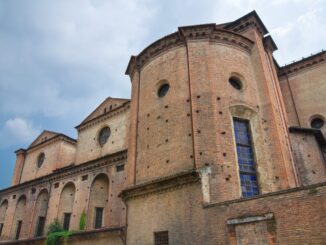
(19, 227)
(161, 238)
(66, 221)
(98, 217)
(40, 226)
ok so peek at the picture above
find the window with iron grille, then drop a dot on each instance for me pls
(66, 221)
(120, 168)
(246, 161)
(40, 226)
(98, 218)
(1, 227)
(19, 227)
(84, 177)
(161, 238)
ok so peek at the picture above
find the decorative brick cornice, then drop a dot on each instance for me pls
(59, 137)
(250, 20)
(163, 184)
(116, 111)
(305, 63)
(310, 188)
(209, 32)
(111, 159)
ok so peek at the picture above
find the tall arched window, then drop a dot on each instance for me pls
(19, 218)
(98, 202)
(40, 211)
(66, 205)
(246, 159)
(3, 211)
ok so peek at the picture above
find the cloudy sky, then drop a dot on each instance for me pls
(59, 59)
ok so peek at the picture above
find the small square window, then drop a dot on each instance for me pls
(120, 168)
(161, 238)
(33, 190)
(56, 185)
(14, 197)
(84, 177)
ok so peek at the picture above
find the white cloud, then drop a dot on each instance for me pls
(282, 31)
(17, 131)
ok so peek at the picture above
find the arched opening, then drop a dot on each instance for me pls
(66, 205)
(19, 218)
(98, 202)
(40, 211)
(3, 211)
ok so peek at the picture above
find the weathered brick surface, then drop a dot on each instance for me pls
(298, 218)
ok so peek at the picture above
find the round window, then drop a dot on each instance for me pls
(40, 160)
(235, 83)
(317, 123)
(163, 90)
(104, 135)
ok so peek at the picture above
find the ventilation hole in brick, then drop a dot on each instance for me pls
(147, 128)
(218, 98)
(257, 106)
(189, 134)
(111, 195)
(198, 131)
(188, 115)
(188, 100)
(166, 120)
(220, 112)
(276, 177)
(167, 161)
(224, 154)
(200, 153)
(111, 210)
(112, 181)
(147, 146)
(313, 171)
(147, 166)
(206, 164)
(223, 132)
(309, 155)
(158, 117)
(191, 156)
(166, 106)
(197, 111)
(116, 129)
(166, 140)
(198, 96)
(227, 179)
(148, 115)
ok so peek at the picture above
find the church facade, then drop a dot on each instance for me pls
(217, 145)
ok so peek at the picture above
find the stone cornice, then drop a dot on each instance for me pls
(107, 160)
(188, 33)
(160, 185)
(118, 110)
(300, 65)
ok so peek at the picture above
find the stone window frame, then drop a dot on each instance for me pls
(240, 78)
(249, 113)
(159, 85)
(40, 159)
(99, 135)
(315, 116)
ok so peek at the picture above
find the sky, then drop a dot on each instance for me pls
(59, 59)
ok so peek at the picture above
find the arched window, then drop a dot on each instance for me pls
(40, 159)
(40, 211)
(19, 218)
(3, 211)
(98, 202)
(67, 199)
(246, 159)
